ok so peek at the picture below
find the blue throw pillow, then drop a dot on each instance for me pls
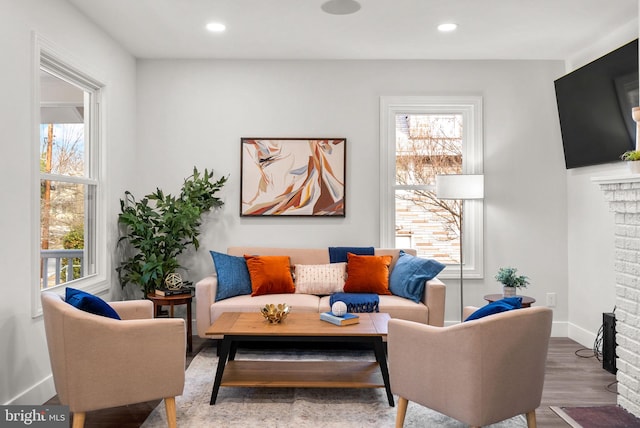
(89, 303)
(503, 305)
(339, 254)
(408, 276)
(233, 275)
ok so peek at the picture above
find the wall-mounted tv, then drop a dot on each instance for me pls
(594, 105)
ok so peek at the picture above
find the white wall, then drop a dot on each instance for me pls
(24, 368)
(591, 252)
(195, 112)
(590, 224)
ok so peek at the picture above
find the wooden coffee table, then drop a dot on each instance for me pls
(300, 327)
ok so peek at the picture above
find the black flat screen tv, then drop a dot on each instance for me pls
(594, 106)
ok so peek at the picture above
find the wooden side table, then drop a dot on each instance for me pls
(171, 301)
(526, 300)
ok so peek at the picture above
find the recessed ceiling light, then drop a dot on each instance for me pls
(216, 27)
(446, 27)
(340, 7)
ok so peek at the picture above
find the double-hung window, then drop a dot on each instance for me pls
(421, 137)
(70, 229)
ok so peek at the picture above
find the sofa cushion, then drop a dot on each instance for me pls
(367, 274)
(407, 279)
(233, 276)
(89, 303)
(320, 279)
(339, 254)
(503, 305)
(269, 274)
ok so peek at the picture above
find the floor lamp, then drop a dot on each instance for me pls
(460, 187)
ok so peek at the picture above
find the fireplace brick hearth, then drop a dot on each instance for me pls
(623, 194)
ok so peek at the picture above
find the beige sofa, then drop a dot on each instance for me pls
(429, 311)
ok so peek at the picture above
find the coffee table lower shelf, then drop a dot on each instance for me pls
(303, 374)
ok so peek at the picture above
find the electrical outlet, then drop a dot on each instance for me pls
(551, 300)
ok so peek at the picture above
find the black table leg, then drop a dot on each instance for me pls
(232, 350)
(381, 358)
(222, 361)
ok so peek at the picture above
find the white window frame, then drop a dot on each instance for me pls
(470, 107)
(50, 57)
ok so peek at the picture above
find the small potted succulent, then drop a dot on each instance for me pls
(510, 281)
(632, 157)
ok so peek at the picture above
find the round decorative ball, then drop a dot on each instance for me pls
(173, 281)
(339, 309)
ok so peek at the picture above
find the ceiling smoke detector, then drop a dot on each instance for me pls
(340, 7)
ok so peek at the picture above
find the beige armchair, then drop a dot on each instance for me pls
(99, 362)
(478, 372)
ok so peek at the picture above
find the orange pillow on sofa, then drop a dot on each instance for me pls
(270, 274)
(367, 274)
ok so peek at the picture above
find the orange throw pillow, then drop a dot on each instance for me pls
(270, 275)
(367, 274)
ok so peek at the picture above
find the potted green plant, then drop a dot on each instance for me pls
(156, 229)
(510, 281)
(632, 157)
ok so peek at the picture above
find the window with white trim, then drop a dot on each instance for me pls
(70, 230)
(421, 137)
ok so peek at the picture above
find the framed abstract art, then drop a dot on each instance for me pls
(292, 177)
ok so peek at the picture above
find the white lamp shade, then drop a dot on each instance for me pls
(460, 186)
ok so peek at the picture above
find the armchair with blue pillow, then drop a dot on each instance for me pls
(479, 372)
(109, 354)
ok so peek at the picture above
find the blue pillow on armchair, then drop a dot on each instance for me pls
(89, 303)
(233, 276)
(503, 305)
(407, 279)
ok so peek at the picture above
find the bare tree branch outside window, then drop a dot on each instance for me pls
(62, 203)
(427, 145)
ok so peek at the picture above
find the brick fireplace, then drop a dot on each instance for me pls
(623, 194)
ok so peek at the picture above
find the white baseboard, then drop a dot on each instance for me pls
(559, 329)
(584, 337)
(38, 394)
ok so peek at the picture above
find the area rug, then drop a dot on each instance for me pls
(292, 407)
(611, 416)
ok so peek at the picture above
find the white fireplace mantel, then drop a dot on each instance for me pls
(617, 179)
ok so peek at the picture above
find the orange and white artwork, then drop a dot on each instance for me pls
(293, 177)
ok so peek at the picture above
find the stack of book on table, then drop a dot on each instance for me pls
(346, 319)
(165, 292)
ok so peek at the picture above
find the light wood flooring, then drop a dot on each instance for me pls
(571, 380)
